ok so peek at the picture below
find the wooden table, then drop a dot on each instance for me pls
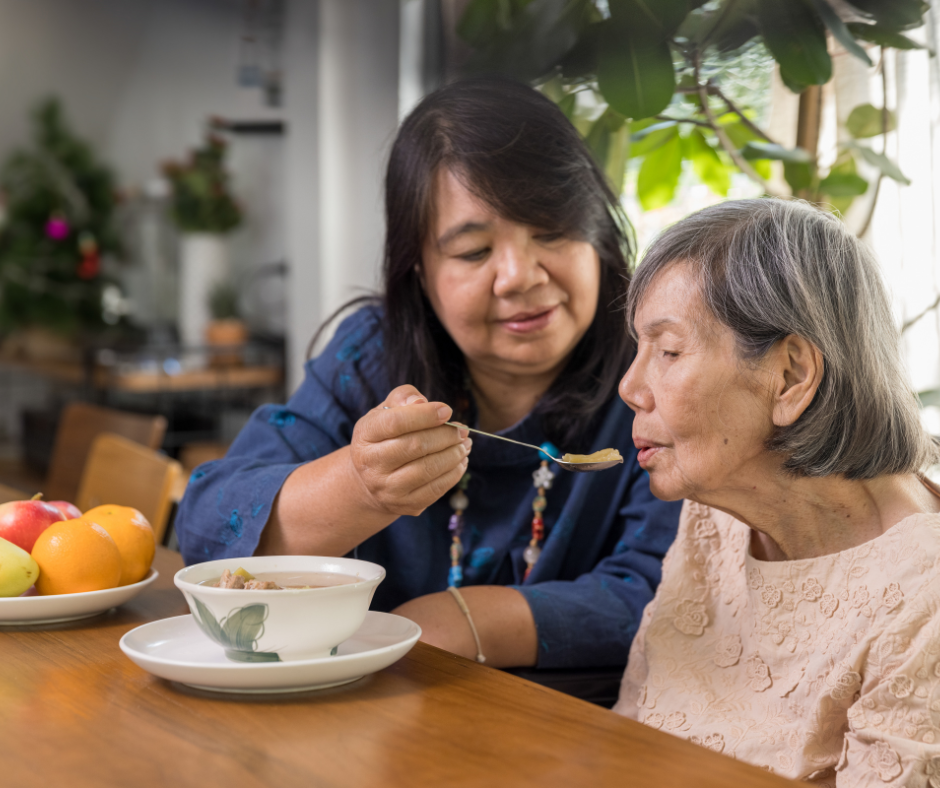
(75, 711)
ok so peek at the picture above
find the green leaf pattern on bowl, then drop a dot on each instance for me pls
(238, 632)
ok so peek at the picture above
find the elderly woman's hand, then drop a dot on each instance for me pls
(404, 454)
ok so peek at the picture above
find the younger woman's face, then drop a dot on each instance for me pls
(515, 299)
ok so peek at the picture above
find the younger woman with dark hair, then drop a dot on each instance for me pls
(506, 265)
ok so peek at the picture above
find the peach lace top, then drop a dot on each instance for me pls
(824, 669)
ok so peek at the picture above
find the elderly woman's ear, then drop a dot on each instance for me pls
(797, 369)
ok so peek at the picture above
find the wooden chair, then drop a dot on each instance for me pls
(79, 425)
(122, 472)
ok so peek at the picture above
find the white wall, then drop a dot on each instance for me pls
(337, 147)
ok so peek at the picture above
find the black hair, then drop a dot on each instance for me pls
(516, 151)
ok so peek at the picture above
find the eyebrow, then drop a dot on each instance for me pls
(655, 326)
(466, 227)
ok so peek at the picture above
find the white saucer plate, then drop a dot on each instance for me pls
(53, 609)
(176, 649)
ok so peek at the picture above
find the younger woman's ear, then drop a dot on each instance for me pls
(419, 272)
(798, 370)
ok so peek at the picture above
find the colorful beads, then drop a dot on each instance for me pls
(459, 502)
(539, 503)
(531, 554)
(543, 477)
(549, 451)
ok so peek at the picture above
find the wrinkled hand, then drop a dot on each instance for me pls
(404, 454)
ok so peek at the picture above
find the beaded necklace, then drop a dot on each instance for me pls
(541, 480)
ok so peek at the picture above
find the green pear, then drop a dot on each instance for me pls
(18, 570)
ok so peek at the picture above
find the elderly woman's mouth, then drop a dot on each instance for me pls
(646, 450)
(524, 322)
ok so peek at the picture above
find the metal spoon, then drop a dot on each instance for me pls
(580, 467)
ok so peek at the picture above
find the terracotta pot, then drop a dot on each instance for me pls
(226, 340)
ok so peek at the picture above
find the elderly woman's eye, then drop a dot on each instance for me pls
(670, 354)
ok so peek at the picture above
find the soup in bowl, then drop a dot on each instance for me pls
(314, 605)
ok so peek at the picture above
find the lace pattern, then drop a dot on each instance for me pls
(825, 669)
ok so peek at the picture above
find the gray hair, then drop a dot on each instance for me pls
(769, 268)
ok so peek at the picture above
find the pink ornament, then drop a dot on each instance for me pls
(57, 228)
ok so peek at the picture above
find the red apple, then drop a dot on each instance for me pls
(21, 522)
(69, 510)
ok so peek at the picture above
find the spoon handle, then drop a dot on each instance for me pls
(499, 437)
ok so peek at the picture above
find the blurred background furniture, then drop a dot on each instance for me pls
(81, 423)
(120, 471)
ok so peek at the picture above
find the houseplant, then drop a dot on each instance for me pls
(649, 82)
(204, 210)
(57, 224)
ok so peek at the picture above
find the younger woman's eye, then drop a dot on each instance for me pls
(549, 237)
(475, 256)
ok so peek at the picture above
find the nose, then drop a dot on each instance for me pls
(633, 390)
(518, 268)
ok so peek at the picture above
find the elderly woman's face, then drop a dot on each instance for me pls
(702, 416)
(516, 299)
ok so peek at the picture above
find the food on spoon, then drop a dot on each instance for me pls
(133, 536)
(21, 522)
(76, 556)
(278, 581)
(604, 455)
(18, 570)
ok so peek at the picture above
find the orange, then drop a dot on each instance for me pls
(133, 536)
(75, 556)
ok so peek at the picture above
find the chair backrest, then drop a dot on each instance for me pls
(78, 426)
(122, 472)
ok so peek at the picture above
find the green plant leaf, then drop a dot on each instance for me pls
(893, 14)
(642, 143)
(706, 162)
(843, 184)
(770, 150)
(796, 37)
(635, 74)
(659, 174)
(840, 31)
(617, 156)
(483, 20)
(866, 121)
(244, 626)
(799, 174)
(661, 16)
(728, 25)
(881, 36)
(568, 104)
(208, 624)
(609, 140)
(882, 162)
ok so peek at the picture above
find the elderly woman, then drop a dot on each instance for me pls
(797, 625)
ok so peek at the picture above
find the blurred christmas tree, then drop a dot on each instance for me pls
(55, 227)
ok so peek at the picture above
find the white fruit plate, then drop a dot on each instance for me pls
(53, 609)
